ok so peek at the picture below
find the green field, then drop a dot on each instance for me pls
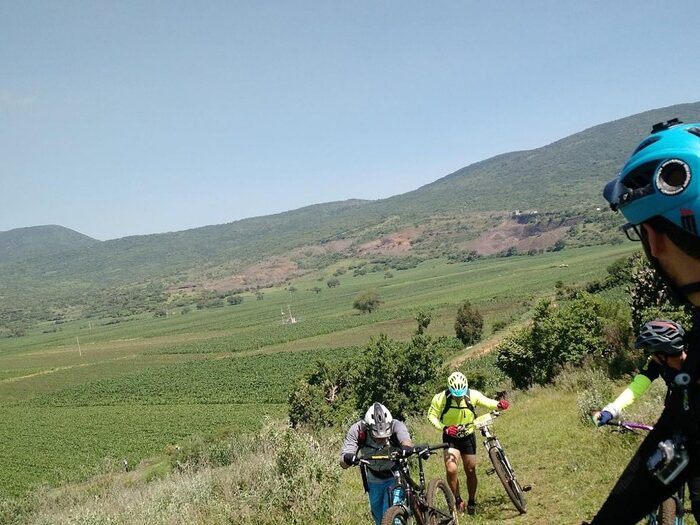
(89, 390)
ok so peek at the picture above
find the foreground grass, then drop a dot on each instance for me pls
(284, 476)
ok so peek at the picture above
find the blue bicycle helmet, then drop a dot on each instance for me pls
(661, 178)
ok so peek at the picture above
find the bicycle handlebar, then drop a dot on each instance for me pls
(630, 426)
(419, 450)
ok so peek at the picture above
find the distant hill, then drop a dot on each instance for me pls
(22, 244)
(470, 210)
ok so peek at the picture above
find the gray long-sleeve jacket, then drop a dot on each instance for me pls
(379, 470)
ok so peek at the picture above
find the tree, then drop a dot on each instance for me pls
(259, 295)
(469, 324)
(316, 289)
(401, 376)
(367, 302)
(333, 282)
(423, 318)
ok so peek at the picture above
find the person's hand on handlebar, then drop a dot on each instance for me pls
(351, 459)
(603, 418)
(452, 430)
(405, 451)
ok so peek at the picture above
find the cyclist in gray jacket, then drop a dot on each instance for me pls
(366, 437)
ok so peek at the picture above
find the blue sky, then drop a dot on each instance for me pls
(124, 118)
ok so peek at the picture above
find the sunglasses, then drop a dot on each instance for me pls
(632, 232)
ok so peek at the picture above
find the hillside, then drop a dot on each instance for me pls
(470, 211)
(23, 244)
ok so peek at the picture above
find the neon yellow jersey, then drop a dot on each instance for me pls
(460, 411)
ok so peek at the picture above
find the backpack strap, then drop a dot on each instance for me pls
(362, 435)
(448, 403)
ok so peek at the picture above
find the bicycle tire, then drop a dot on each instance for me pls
(396, 515)
(507, 477)
(441, 503)
(666, 515)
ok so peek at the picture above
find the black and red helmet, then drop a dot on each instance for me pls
(661, 336)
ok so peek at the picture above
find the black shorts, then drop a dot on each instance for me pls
(465, 445)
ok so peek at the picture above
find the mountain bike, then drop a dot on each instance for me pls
(499, 460)
(433, 504)
(670, 511)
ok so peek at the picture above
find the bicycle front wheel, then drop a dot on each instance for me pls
(395, 515)
(667, 512)
(441, 504)
(507, 477)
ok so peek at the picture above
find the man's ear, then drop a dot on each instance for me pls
(655, 240)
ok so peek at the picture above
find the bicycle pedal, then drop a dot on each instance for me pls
(490, 471)
(527, 488)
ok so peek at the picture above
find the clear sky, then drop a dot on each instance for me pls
(133, 117)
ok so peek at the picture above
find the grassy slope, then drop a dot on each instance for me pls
(570, 466)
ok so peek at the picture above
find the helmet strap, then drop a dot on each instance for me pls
(687, 289)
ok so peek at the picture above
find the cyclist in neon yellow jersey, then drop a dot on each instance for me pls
(664, 341)
(453, 412)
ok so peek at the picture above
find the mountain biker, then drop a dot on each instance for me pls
(452, 411)
(664, 341)
(377, 430)
(658, 192)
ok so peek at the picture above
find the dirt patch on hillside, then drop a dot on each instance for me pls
(523, 237)
(259, 275)
(398, 243)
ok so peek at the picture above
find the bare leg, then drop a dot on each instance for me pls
(450, 456)
(469, 461)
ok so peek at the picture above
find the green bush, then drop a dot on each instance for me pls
(367, 302)
(325, 396)
(558, 336)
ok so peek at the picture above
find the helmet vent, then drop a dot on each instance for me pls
(694, 131)
(672, 177)
(648, 142)
(641, 176)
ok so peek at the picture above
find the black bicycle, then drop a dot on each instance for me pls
(433, 504)
(499, 460)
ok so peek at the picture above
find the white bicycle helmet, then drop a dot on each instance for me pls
(458, 385)
(378, 419)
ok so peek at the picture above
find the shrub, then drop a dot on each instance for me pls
(325, 396)
(558, 337)
(650, 299)
(234, 299)
(367, 302)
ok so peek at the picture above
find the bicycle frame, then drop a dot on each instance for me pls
(415, 501)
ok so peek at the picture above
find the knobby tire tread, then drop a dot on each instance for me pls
(437, 492)
(667, 512)
(393, 512)
(514, 491)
